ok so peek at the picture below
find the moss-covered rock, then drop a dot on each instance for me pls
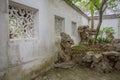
(84, 48)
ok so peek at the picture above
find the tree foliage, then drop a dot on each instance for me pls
(94, 5)
(97, 5)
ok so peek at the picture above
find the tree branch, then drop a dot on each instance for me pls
(103, 3)
(96, 6)
(104, 8)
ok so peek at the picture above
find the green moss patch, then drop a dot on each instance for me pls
(83, 49)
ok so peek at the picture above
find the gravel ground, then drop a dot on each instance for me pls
(77, 73)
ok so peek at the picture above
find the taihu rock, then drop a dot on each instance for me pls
(65, 45)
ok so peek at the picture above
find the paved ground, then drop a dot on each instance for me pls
(77, 73)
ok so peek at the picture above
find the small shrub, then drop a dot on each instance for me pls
(103, 40)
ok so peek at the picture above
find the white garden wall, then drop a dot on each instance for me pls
(20, 56)
(110, 23)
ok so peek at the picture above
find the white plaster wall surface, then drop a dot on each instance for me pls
(3, 36)
(109, 23)
(43, 44)
(84, 21)
(119, 28)
(60, 8)
(3, 41)
(39, 46)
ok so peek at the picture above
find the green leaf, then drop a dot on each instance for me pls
(92, 8)
(98, 3)
(75, 1)
(88, 3)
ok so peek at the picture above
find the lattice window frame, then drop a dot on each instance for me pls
(61, 27)
(21, 22)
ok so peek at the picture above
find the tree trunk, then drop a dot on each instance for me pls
(92, 21)
(98, 26)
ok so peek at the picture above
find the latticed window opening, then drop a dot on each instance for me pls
(21, 22)
(59, 25)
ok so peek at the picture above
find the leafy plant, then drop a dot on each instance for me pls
(100, 6)
(109, 30)
(91, 40)
(101, 32)
(103, 40)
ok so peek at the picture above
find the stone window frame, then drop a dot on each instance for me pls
(63, 24)
(36, 20)
(73, 31)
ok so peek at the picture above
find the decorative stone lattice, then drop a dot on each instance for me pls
(21, 22)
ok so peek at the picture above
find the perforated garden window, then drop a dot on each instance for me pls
(21, 22)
